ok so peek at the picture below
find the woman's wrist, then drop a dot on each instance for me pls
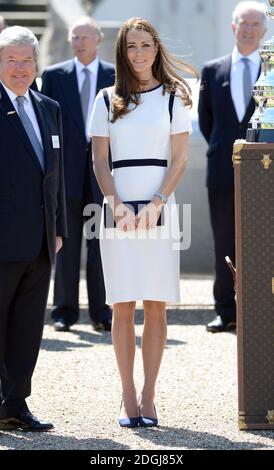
(114, 202)
(160, 198)
(157, 202)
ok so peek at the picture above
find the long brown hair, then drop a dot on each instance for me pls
(164, 69)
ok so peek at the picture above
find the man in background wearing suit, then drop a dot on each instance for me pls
(74, 84)
(32, 220)
(225, 108)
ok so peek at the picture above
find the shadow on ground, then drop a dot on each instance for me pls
(21, 440)
(188, 439)
(86, 338)
(179, 438)
(176, 316)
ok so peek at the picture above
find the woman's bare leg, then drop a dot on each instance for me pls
(153, 344)
(123, 338)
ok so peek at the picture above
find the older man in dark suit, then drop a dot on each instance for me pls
(32, 220)
(225, 108)
(74, 84)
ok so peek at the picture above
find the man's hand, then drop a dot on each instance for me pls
(58, 244)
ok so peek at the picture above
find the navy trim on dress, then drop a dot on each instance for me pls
(151, 89)
(170, 101)
(170, 105)
(139, 162)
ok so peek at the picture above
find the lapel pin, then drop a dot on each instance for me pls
(11, 112)
(225, 84)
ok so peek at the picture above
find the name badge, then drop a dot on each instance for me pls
(55, 141)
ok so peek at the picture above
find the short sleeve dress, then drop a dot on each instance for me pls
(141, 264)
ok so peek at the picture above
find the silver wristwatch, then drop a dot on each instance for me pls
(161, 196)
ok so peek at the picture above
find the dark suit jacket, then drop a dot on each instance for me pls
(219, 123)
(60, 83)
(31, 203)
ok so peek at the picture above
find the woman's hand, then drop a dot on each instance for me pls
(125, 218)
(148, 216)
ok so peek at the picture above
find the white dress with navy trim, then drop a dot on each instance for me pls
(142, 264)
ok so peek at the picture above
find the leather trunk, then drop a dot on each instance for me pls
(254, 218)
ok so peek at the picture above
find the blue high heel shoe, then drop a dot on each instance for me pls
(146, 422)
(128, 422)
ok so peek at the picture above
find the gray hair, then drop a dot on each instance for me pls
(246, 6)
(85, 21)
(19, 36)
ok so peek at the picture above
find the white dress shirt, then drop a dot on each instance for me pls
(28, 108)
(236, 78)
(93, 69)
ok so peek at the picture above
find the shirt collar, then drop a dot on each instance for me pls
(12, 96)
(92, 67)
(254, 56)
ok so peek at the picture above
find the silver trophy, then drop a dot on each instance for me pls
(261, 125)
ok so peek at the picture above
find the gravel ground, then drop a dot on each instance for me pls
(76, 386)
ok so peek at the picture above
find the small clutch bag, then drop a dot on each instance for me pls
(135, 206)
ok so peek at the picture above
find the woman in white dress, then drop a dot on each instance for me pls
(145, 121)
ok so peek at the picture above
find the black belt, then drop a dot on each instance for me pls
(140, 162)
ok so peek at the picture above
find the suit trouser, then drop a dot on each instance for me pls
(67, 274)
(221, 206)
(23, 297)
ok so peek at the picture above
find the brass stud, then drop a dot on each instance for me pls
(266, 161)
